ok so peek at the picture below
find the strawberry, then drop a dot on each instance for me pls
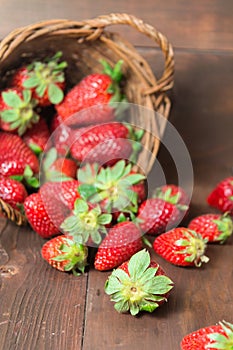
(37, 136)
(123, 240)
(12, 192)
(99, 90)
(138, 285)
(64, 254)
(57, 169)
(38, 217)
(218, 336)
(156, 215)
(61, 135)
(59, 198)
(66, 166)
(182, 247)
(214, 227)
(221, 196)
(17, 110)
(113, 188)
(86, 223)
(140, 189)
(16, 159)
(101, 143)
(45, 79)
(177, 193)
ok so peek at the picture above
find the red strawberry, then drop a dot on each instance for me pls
(156, 215)
(104, 143)
(123, 240)
(212, 337)
(61, 137)
(12, 192)
(140, 189)
(222, 196)
(99, 90)
(171, 190)
(138, 285)
(64, 254)
(17, 110)
(38, 217)
(16, 157)
(182, 247)
(65, 166)
(55, 122)
(59, 199)
(214, 227)
(37, 136)
(45, 79)
(87, 223)
(57, 169)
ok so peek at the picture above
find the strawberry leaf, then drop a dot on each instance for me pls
(10, 115)
(138, 263)
(27, 95)
(149, 307)
(104, 219)
(41, 88)
(11, 99)
(31, 82)
(55, 94)
(80, 206)
(86, 191)
(121, 306)
(17, 177)
(160, 284)
(35, 148)
(49, 158)
(33, 182)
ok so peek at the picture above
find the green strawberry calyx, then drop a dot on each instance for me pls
(225, 227)
(139, 289)
(21, 114)
(28, 177)
(44, 76)
(114, 186)
(87, 174)
(167, 196)
(194, 247)
(116, 76)
(135, 136)
(86, 222)
(75, 254)
(220, 341)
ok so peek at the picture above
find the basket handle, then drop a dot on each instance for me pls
(12, 214)
(166, 81)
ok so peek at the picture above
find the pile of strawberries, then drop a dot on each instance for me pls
(66, 162)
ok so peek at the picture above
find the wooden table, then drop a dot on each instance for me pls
(42, 308)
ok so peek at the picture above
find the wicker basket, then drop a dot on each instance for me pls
(83, 44)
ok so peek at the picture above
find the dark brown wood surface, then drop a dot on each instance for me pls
(43, 309)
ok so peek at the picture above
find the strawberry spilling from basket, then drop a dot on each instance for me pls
(67, 163)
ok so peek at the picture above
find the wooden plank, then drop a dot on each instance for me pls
(200, 297)
(197, 24)
(202, 113)
(40, 307)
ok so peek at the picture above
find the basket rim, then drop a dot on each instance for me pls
(90, 30)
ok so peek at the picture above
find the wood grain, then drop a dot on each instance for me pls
(40, 308)
(200, 297)
(197, 24)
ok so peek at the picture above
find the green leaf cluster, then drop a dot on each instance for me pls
(141, 289)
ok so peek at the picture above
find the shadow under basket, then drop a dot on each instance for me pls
(83, 44)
